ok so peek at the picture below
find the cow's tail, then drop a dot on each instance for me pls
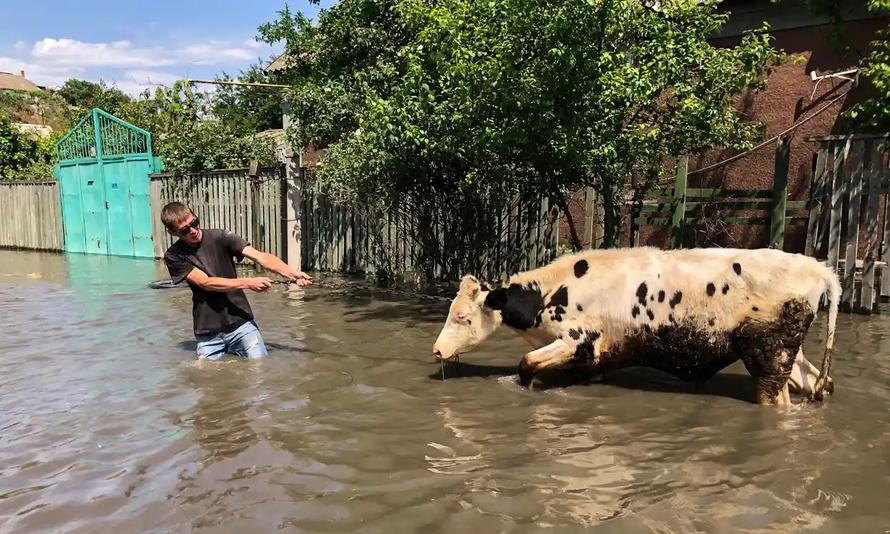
(833, 287)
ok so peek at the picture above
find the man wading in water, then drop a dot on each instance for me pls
(222, 318)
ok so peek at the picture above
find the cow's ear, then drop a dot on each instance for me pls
(497, 299)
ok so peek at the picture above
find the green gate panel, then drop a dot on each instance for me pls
(117, 193)
(72, 212)
(140, 205)
(92, 194)
(103, 171)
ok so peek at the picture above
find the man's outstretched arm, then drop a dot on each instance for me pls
(275, 265)
(225, 285)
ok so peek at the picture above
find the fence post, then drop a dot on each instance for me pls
(816, 224)
(255, 209)
(292, 214)
(678, 220)
(780, 194)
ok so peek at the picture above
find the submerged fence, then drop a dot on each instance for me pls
(849, 222)
(30, 215)
(338, 237)
(435, 241)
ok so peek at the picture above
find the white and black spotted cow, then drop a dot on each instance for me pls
(690, 313)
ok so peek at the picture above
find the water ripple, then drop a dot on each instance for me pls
(110, 425)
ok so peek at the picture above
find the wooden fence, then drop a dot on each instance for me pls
(350, 239)
(849, 199)
(336, 237)
(231, 199)
(30, 216)
(680, 207)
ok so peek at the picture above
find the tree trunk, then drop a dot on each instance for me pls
(609, 227)
(573, 231)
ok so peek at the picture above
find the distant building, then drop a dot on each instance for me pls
(17, 82)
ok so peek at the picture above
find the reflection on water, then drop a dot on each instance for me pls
(109, 424)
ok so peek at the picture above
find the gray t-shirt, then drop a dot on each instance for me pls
(213, 312)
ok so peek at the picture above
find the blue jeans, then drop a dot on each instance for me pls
(245, 341)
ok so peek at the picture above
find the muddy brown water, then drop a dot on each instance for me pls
(108, 424)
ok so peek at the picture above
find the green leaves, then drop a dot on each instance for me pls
(512, 95)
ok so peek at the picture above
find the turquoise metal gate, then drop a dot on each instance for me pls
(102, 172)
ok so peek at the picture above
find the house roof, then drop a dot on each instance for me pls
(16, 82)
(279, 64)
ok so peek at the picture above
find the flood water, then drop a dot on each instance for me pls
(108, 424)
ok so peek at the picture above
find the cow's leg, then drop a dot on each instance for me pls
(804, 376)
(551, 355)
(772, 374)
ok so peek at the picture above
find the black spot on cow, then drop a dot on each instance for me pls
(678, 296)
(725, 288)
(558, 312)
(661, 296)
(581, 267)
(711, 321)
(560, 297)
(520, 306)
(650, 315)
(711, 289)
(584, 352)
(575, 334)
(469, 321)
(580, 308)
(635, 311)
(671, 318)
(642, 292)
(737, 267)
(755, 308)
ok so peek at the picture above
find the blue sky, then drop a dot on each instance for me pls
(136, 45)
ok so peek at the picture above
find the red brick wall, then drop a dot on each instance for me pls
(786, 100)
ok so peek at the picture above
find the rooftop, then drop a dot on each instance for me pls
(16, 82)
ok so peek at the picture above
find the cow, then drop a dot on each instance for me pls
(687, 312)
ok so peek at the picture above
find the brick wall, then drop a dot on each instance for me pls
(788, 98)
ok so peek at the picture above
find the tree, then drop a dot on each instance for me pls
(88, 95)
(17, 150)
(188, 138)
(414, 97)
(249, 109)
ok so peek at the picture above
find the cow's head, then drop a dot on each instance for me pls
(469, 321)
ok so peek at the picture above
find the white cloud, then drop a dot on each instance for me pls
(73, 53)
(124, 54)
(39, 73)
(131, 67)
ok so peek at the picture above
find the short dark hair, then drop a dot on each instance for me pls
(174, 213)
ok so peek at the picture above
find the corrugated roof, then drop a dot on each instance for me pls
(280, 63)
(16, 82)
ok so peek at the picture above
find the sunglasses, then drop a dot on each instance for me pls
(185, 230)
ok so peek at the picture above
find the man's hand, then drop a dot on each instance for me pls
(258, 284)
(274, 264)
(301, 278)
